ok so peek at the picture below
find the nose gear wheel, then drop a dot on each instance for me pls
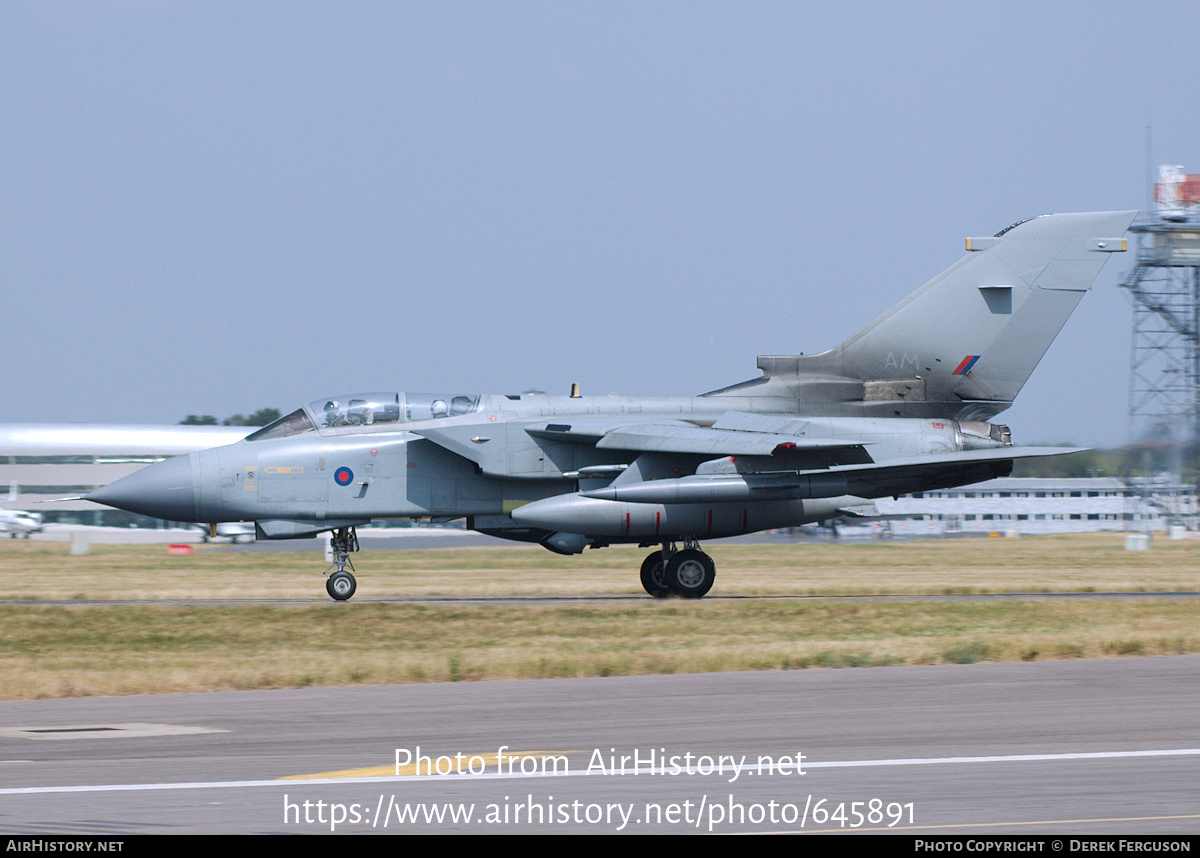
(341, 584)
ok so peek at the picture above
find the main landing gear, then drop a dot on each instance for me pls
(341, 584)
(688, 573)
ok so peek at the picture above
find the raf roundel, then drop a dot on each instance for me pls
(343, 476)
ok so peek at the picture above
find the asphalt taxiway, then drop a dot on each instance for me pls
(1068, 747)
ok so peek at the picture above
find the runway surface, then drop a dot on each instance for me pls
(1070, 747)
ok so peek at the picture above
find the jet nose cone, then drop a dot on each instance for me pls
(164, 490)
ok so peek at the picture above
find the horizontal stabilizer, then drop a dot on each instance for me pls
(946, 470)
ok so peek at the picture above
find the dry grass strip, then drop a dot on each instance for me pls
(55, 651)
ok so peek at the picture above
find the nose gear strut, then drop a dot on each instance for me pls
(341, 584)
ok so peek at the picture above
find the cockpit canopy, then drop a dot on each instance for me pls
(359, 412)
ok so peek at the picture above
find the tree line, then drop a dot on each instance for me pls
(261, 417)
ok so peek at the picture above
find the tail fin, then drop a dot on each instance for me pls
(964, 343)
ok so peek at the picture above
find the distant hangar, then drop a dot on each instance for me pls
(45, 461)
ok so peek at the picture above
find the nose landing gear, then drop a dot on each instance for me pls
(341, 584)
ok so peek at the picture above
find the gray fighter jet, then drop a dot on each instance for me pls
(901, 406)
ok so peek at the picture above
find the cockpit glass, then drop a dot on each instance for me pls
(365, 412)
(431, 406)
(357, 409)
(293, 424)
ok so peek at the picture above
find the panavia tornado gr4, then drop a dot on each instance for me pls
(901, 406)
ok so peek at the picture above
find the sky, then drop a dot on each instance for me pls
(216, 207)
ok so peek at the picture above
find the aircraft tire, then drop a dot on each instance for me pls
(341, 586)
(654, 580)
(690, 573)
